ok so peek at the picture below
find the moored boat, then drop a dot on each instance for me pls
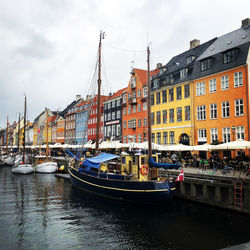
(133, 178)
(23, 169)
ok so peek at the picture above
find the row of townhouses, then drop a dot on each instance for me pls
(199, 96)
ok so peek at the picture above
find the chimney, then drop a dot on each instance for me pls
(158, 65)
(78, 97)
(194, 43)
(245, 23)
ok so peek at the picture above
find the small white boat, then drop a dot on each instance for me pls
(46, 167)
(23, 169)
(9, 160)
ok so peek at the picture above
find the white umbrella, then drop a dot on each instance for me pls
(203, 147)
(177, 147)
(240, 144)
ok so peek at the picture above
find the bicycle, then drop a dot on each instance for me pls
(228, 170)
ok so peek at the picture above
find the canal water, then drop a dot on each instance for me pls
(40, 211)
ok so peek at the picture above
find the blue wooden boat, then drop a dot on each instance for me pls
(128, 180)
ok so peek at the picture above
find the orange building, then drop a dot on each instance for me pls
(60, 129)
(134, 107)
(221, 90)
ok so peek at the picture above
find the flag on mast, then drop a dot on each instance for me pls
(180, 177)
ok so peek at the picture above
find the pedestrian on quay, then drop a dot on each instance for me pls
(174, 158)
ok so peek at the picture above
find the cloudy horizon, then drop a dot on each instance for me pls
(49, 47)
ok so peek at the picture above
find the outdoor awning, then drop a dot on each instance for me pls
(95, 161)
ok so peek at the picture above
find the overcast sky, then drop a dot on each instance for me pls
(48, 48)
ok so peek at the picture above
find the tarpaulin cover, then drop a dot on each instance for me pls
(154, 164)
(95, 161)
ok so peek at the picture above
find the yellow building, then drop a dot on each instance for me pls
(171, 115)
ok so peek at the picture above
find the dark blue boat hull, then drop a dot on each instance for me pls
(136, 191)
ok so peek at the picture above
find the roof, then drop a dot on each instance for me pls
(52, 118)
(239, 39)
(227, 41)
(116, 94)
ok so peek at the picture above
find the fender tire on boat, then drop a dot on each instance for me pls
(144, 169)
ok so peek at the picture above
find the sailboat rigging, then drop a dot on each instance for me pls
(24, 167)
(128, 179)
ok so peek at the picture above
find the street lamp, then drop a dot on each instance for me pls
(233, 131)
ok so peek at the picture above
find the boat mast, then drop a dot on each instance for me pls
(99, 81)
(149, 107)
(24, 127)
(18, 134)
(47, 134)
(7, 134)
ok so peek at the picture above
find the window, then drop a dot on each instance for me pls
(183, 73)
(240, 133)
(201, 112)
(125, 139)
(171, 115)
(187, 90)
(206, 64)
(145, 107)
(118, 102)
(171, 95)
(118, 129)
(158, 117)
(129, 96)
(229, 56)
(165, 138)
(134, 109)
(153, 137)
(152, 100)
(179, 114)
(202, 135)
(139, 122)
(238, 79)
(187, 113)
(152, 118)
(129, 109)
(226, 134)
(125, 124)
(164, 96)
(224, 83)
(133, 82)
(113, 115)
(124, 111)
(134, 94)
(214, 134)
(145, 92)
(171, 137)
(156, 83)
(113, 104)
(144, 136)
(158, 98)
(213, 111)
(139, 139)
(118, 114)
(139, 107)
(109, 116)
(124, 98)
(239, 107)
(225, 110)
(212, 86)
(178, 93)
(145, 122)
(139, 93)
(158, 138)
(164, 116)
(200, 88)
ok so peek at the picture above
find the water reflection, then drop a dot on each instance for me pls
(41, 211)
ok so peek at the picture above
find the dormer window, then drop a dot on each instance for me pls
(176, 64)
(229, 56)
(190, 59)
(183, 73)
(206, 64)
(133, 82)
(156, 83)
